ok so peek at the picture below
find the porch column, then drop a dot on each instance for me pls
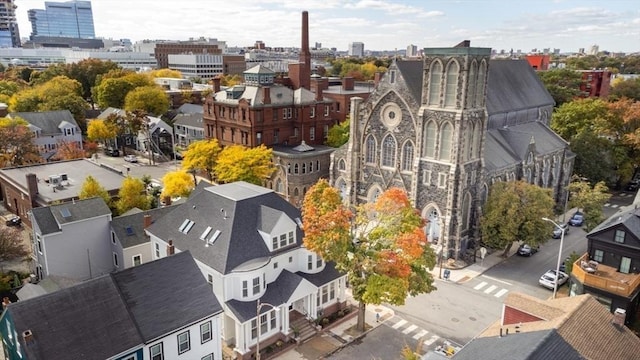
(284, 319)
(313, 307)
(241, 338)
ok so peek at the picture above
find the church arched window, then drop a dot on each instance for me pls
(407, 156)
(435, 78)
(451, 87)
(389, 151)
(445, 142)
(370, 149)
(430, 139)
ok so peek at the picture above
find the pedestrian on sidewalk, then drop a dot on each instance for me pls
(377, 317)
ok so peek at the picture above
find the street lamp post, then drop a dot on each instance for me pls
(258, 308)
(555, 287)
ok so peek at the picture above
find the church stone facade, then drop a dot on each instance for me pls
(446, 127)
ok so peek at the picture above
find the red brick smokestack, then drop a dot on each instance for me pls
(305, 54)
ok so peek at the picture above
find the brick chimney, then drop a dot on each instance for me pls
(146, 221)
(305, 54)
(347, 83)
(376, 78)
(266, 94)
(32, 187)
(170, 248)
(216, 84)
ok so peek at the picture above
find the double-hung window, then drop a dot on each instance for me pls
(205, 332)
(155, 352)
(184, 344)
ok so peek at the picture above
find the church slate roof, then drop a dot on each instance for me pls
(233, 209)
(412, 73)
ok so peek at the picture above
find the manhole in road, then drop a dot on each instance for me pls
(472, 318)
(455, 320)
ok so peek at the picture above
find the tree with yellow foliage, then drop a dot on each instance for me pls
(98, 130)
(177, 184)
(92, 188)
(151, 99)
(239, 163)
(201, 156)
(132, 195)
(165, 73)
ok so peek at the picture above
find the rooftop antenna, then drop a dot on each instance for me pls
(224, 212)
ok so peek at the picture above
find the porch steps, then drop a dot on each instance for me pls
(306, 330)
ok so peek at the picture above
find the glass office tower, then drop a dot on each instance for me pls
(72, 19)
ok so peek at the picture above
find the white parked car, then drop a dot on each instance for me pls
(131, 158)
(548, 279)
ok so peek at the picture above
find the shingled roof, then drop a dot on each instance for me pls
(237, 210)
(47, 121)
(106, 316)
(581, 322)
(49, 218)
(129, 228)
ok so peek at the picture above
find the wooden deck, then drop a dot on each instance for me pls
(605, 277)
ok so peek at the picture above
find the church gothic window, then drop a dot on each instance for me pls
(388, 151)
(465, 211)
(430, 139)
(479, 97)
(471, 87)
(445, 142)
(341, 165)
(371, 150)
(469, 145)
(435, 78)
(451, 87)
(407, 156)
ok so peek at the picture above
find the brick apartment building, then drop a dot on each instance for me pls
(595, 83)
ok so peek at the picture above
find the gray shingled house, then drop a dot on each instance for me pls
(50, 128)
(247, 241)
(160, 310)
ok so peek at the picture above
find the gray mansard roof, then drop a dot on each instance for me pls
(237, 210)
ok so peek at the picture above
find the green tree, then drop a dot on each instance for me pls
(151, 99)
(127, 123)
(111, 92)
(590, 200)
(381, 247)
(599, 159)
(514, 211)
(562, 84)
(629, 88)
(575, 117)
(92, 188)
(132, 195)
(201, 156)
(338, 134)
(239, 163)
(9, 87)
(87, 72)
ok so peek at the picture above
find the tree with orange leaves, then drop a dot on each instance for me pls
(381, 246)
(69, 150)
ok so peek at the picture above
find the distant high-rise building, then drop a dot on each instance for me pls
(412, 51)
(556, 51)
(594, 50)
(9, 34)
(71, 19)
(356, 49)
(581, 51)
(318, 45)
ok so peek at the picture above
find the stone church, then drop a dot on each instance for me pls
(446, 127)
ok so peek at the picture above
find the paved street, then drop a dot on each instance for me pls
(140, 168)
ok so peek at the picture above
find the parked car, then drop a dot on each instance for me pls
(131, 158)
(13, 220)
(111, 151)
(557, 233)
(526, 250)
(577, 219)
(548, 279)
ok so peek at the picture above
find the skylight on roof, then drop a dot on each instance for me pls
(184, 225)
(189, 226)
(213, 238)
(65, 212)
(129, 230)
(205, 233)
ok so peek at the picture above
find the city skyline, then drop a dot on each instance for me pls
(381, 25)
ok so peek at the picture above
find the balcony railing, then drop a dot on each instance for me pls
(604, 277)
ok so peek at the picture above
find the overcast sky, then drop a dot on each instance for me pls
(614, 25)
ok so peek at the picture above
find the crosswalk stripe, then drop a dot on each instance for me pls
(615, 205)
(420, 334)
(500, 293)
(433, 339)
(480, 286)
(490, 289)
(409, 329)
(399, 323)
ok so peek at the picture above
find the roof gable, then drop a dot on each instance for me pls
(50, 218)
(49, 122)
